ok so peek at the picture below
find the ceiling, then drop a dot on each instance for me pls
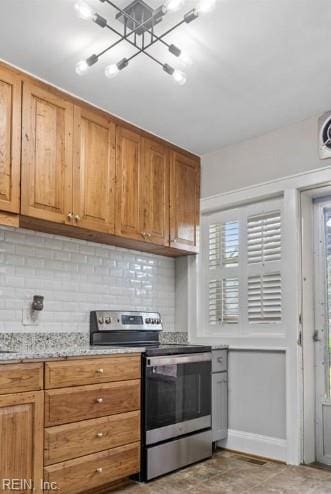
(258, 65)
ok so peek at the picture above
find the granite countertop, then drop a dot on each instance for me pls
(63, 353)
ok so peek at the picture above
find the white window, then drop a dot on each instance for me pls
(241, 268)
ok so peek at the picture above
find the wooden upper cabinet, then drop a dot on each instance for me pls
(154, 193)
(128, 177)
(184, 202)
(46, 154)
(10, 140)
(21, 446)
(94, 171)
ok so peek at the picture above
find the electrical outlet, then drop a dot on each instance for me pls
(28, 318)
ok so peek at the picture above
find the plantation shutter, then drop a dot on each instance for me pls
(264, 237)
(264, 284)
(241, 265)
(265, 298)
(223, 262)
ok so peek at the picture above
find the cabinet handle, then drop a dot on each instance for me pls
(99, 470)
(77, 217)
(70, 216)
(99, 400)
(100, 371)
(100, 434)
(144, 235)
(149, 235)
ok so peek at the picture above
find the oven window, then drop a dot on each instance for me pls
(177, 393)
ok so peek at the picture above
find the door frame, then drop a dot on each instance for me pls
(321, 352)
(308, 398)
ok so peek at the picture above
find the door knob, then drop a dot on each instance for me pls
(100, 434)
(99, 470)
(100, 371)
(77, 217)
(70, 216)
(99, 400)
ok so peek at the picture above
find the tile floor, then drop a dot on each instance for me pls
(228, 473)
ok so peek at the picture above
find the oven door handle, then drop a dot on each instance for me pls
(178, 359)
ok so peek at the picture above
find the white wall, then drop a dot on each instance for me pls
(77, 276)
(281, 153)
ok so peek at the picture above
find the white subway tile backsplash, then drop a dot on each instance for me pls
(76, 277)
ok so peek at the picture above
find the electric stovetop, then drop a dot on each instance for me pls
(173, 349)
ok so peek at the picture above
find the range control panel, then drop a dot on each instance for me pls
(115, 320)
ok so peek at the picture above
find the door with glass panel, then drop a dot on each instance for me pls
(322, 334)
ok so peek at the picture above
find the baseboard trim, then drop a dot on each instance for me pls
(256, 444)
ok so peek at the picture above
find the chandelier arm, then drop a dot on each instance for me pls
(150, 31)
(140, 50)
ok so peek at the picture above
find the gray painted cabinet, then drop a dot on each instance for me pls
(219, 395)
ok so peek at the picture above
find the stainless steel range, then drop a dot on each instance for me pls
(176, 390)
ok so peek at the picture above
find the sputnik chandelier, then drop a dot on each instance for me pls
(138, 21)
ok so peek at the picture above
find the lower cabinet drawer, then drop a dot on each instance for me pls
(64, 442)
(91, 471)
(63, 406)
(15, 378)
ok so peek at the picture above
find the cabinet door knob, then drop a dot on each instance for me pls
(70, 216)
(77, 217)
(99, 400)
(99, 434)
(100, 371)
(99, 470)
(144, 235)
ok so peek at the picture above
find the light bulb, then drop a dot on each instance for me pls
(179, 77)
(111, 70)
(174, 5)
(81, 67)
(206, 6)
(84, 10)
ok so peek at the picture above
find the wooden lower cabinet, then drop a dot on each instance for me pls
(87, 472)
(21, 445)
(73, 439)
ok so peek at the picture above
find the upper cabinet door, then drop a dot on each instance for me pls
(46, 155)
(128, 176)
(10, 140)
(154, 193)
(184, 202)
(94, 171)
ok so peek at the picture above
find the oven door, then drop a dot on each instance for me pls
(177, 395)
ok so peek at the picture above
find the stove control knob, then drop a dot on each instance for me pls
(159, 321)
(148, 321)
(100, 320)
(108, 320)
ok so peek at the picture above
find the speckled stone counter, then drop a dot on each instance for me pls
(64, 353)
(45, 346)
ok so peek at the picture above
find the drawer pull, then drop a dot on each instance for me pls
(100, 371)
(99, 434)
(220, 360)
(99, 470)
(99, 400)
